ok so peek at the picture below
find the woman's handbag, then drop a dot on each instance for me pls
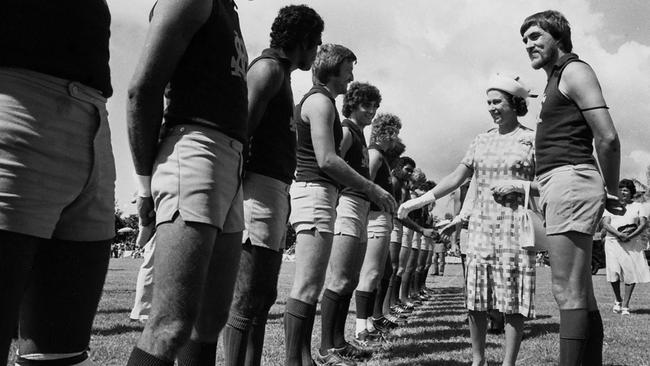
(532, 234)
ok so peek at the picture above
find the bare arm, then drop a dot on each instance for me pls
(375, 160)
(319, 112)
(264, 81)
(172, 27)
(580, 84)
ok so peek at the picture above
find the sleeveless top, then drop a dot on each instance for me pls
(272, 147)
(382, 177)
(66, 39)
(208, 86)
(307, 169)
(356, 157)
(563, 136)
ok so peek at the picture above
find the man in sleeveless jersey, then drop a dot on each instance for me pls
(360, 104)
(57, 177)
(190, 179)
(269, 169)
(319, 172)
(573, 119)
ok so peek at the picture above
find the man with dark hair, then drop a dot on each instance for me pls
(57, 177)
(319, 172)
(360, 104)
(269, 169)
(573, 118)
(194, 54)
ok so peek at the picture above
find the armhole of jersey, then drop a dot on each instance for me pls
(560, 78)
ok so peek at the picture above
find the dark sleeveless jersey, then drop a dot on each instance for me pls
(208, 86)
(272, 147)
(307, 169)
(563, 136)
(356, 157)
(67, 39)
(382, 177)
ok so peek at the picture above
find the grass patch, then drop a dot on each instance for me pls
(437, 333)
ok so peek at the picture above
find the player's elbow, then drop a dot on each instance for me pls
(609, 141)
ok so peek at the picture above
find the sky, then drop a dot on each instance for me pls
(431, 60)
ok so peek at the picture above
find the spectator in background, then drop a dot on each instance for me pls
(624, 247)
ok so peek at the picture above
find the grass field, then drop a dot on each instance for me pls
(436, 334)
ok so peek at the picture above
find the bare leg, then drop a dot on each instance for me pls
(514, 328)
(616, 286)
(629, 288)
(183, 257)
(478, 332)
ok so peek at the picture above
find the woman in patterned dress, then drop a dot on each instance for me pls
(500, 274)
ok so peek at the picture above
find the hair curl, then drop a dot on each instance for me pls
(517, 103)
(427, 186)
(358, 94)
(629, 184)
(295, 24)
(417, 178)
(328, 61)
(554, 23)
(394, 152)
(385, 128)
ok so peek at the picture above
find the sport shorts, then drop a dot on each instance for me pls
(352, 217)
(417, 239)
(313, 206)
(572, 199)
(407, 237)
(380, 224)
(197, 174)
(397, 232)
(266, 211)
(57, 172)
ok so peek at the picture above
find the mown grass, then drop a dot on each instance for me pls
(436, 334)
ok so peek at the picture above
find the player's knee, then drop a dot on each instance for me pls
(172, 333)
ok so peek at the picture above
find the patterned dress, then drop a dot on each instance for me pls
(500, 275)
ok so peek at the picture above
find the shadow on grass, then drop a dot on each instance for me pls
(533, 330)
(119, 329)
(113, 311)
(640, 311)
(430, 363)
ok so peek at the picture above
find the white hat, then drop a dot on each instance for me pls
(509, 84)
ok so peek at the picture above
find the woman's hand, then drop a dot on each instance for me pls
(409, 206)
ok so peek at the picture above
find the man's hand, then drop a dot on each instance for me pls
(429, 233)
(381, 198)
(144, 234)
(613, 205)
(146, 213)
(508, 186)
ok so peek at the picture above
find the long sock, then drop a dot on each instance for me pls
(306, 345)
(341, 318)
(256, 342)
(378, 306)
(574, 329)
(329, 311)
(296, 319)
(235, 339)
(197, 354)
(363, 302)
(139, 357)
(594, 348)
(397, 284)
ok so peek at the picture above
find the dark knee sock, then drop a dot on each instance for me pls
(574, 329)
(329, 309)
(594, 348)
(139, 357)
(197, 354)
(378, 306)
(256, 342)
(306, 345)
(397, 286)
(296, 319)
(235, 339)
(363, 300)
(405, 287)
(341, 318)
